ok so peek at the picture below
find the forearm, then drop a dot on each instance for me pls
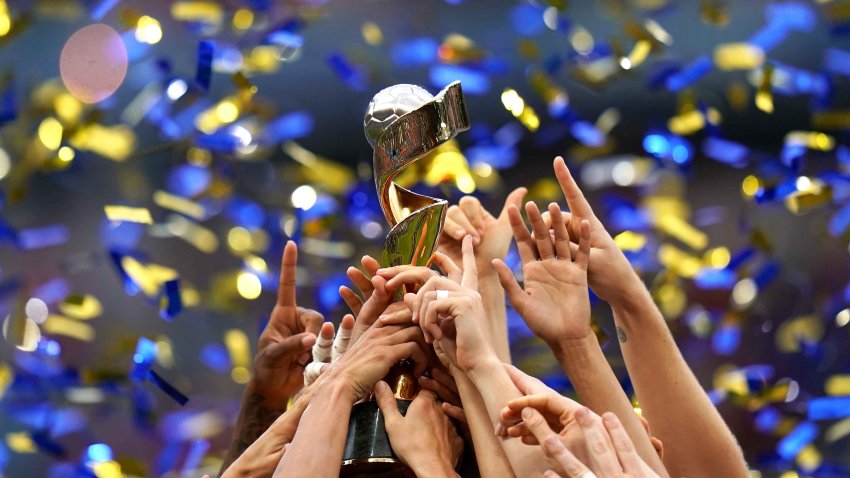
(493, 297)
(670, 396)
(496, 388)
(492, 462)
(317, 447)
(256, 414)
(584, 362)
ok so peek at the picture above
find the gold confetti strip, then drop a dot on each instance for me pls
(675, 227)
(7, 376)
(521, 111)
(810, 139)
(831, 119)
(239, 348)
(202, 238)
(837, 430)
(59, 325)
(139, 215)
(81, 306)
(372, 33)
(837, 385)
(738, 56)
(20, 442)
(148, 277)
(793, 331)
(764, 95)
(809, 458)
(811, 194)
(679, 261)
(179, 204)
(112, 142)
(331, 176)
(197, 11)
(630, 241)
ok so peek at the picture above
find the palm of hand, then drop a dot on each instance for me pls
(467, 335)
(282, 379)
(555, 296)
(608, 265)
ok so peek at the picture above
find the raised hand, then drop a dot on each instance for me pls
(555, 302)
(609, 268)
(363, 283)
(380, 347)
(491, 235)
(424, 438)
(328, 348)
(284, 346)
(454, 314)
(282, 353)
(609, 450)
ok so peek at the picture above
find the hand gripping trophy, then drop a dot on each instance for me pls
(403, 124)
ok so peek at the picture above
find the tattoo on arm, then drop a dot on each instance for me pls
(621, 335)
(254, 420)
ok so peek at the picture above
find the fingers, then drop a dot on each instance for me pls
(469, 279)
(312, 372)
(562, 236)
(526, 383)
(399, 317)
(322, 347)
(288, 266)
(525, 244)
(433, 284)
(541, 232)
(448, 266)
(283, 352)
(536, 425)
(386, 402)
(471, 207)
(370, 264)
(454, 411)
(623, 445)
(514, 199)
(311, 320)
(583, 256)
(575, 198)
(406, 275)
(446, 393)
(452, 230)
(509, 283)
(351, 299)
(343, 337)
(598, 443)
(461, 222)
(555, 449)
(412, 351)
(361, 281)
(372, 308)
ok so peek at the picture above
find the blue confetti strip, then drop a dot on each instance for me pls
(829, 408)
(474, 82)
(796, 440)
(690, 74)
(203, 75)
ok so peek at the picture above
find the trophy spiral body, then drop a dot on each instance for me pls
(403, 123)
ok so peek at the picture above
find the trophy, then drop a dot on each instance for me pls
(403, 123)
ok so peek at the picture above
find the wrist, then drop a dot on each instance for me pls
(264, 398)
(631, 293)
(432, 467)
(339, 386)
(482, 367)
(575, 345)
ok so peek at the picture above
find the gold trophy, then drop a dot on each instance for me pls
(403, 123)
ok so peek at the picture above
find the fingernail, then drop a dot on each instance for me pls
(609, 418)
(582, 416)
(500, 430)
(380, 271)
(459, 232)
(526, 413)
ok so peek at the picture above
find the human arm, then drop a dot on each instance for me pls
(282, 352)
(325, 421)
(453, 315)
(671, 398)
(491, 239)
(556, 306)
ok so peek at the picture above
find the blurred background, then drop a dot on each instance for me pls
(155, 156)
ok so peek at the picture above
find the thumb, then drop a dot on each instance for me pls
(536, 424)
(284, 351)
(386, 402)
(514, 198)
(509, 283)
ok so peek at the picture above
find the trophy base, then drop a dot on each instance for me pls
(367, 447)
